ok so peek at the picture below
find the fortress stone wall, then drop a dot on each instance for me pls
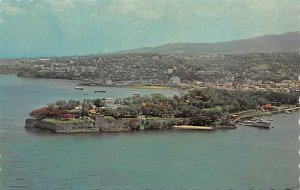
(102, 123)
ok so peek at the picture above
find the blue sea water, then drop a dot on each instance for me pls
(244, 158)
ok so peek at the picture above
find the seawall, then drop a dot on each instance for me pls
(60, 128)
(109, 124)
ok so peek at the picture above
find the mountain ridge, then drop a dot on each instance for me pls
(285, 42)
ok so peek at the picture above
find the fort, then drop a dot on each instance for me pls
(104, 123)
(198, 107)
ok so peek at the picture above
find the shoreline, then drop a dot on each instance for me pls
(111, 86)
(120, 125)
(88, 128)
(144, 87)
(149, 87)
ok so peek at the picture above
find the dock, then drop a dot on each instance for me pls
(292, 109)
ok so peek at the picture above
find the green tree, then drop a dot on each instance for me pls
(61, 104)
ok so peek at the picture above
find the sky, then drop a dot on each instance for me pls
(41, 28)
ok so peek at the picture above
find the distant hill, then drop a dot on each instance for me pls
(286, 42)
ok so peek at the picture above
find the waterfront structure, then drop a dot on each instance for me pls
(259, 123)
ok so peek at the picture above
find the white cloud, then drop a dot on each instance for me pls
(10, 9)
(184, 10)
(141, 9)
(61, 5)
(156, 9)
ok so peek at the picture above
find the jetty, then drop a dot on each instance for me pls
(245, 115)
(292, 109)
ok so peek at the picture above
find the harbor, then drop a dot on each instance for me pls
(231, 149)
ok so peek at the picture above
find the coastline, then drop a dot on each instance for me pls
(120, 125)
(144, 87)
(103, 124)
(148, 87)
(87, 128)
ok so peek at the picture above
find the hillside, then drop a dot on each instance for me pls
(286, 42)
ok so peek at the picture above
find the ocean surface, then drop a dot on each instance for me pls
(244, 158)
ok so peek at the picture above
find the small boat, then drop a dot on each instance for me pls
(135, 93)
(99, 90)
(259, 123)
(78, 88)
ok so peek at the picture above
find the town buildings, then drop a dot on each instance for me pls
(259, 71)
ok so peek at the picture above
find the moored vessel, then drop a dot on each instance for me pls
(258, 123)
(78, 88)
(135, 93)
(100, 91)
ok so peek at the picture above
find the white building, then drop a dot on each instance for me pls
(108, 82)
(170, 71)
(175, 80)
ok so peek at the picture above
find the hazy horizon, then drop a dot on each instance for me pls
(31, 28)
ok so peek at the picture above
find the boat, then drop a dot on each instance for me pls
(99, 90)
(135, 93)
(258, 123)
(78, 88)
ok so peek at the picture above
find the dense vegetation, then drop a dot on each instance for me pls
(201, 106)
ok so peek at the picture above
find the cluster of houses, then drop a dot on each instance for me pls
(263, 71)
(283, 86)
